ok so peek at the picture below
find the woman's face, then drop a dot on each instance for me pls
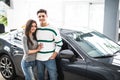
(33, 28)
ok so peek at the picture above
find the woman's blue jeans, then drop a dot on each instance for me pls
(50, 65)
(27, 68)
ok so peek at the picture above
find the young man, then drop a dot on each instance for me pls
(50, 37)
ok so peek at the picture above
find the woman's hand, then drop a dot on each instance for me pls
(40, 46)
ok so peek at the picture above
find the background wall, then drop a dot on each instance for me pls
(74, 13)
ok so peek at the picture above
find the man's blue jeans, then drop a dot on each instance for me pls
(27, 68)
(50, 65)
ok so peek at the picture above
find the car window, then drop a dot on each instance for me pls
(67, 46)
(94, 43)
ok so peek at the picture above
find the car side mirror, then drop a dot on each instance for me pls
(67, 54)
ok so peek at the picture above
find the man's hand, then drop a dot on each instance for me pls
(53, 56)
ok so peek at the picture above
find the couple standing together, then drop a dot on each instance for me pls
(41, 45)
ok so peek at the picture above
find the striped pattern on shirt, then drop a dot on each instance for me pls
(51, 39)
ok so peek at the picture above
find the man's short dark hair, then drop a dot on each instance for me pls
(42, 11)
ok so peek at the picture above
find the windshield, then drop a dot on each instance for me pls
(95, 44)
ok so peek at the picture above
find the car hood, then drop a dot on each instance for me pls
(3, 35)
(6, 36)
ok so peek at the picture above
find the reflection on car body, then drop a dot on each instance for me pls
(85, 55)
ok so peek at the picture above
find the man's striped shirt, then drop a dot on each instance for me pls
(51, 39)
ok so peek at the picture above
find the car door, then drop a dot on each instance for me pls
(73, 65)
(17, 50)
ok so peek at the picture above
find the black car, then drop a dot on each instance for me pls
(85, 55)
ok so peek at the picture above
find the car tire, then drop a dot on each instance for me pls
(7, 68)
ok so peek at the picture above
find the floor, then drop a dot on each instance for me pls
(1, 78)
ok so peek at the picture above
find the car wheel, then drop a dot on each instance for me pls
(7, 67)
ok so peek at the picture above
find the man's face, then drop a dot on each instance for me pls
(42, 17)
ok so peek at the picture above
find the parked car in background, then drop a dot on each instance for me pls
(85, 55)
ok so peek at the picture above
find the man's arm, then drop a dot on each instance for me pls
(58, 43)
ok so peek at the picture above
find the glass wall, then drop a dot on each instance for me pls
(84, 14)
(79, 13)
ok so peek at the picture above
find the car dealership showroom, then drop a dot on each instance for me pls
(89, 32)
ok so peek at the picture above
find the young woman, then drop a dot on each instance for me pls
(30, 48)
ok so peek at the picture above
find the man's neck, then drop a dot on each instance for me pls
(44, 24)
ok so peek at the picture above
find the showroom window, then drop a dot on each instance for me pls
(84, 14)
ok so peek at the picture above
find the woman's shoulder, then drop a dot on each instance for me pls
(24, 37)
